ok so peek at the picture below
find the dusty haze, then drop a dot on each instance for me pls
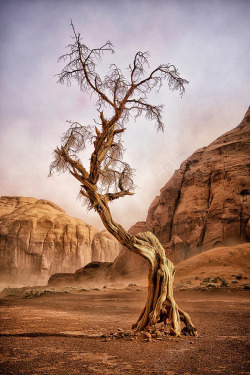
(208, 43)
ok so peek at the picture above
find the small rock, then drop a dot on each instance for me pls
(147, 336)
(224, 282)
(212, 286)
(128, 333)
(207, 280)
(158, 334)
(172, 331)
(216, 280)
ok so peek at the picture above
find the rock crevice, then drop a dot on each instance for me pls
(177, 200)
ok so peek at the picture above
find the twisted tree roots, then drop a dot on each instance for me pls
(160, 305)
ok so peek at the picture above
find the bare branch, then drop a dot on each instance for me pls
(138, 69)
(120, 194)
(155, 80)
(152, 112)
(81, 67)
(108, 174)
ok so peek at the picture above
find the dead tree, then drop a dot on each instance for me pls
(108, 177)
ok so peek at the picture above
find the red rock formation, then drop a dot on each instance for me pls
(204, 205)
(37, 239)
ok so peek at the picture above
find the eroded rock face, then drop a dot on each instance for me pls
(204, 205)
(37, 239)
(206, 202)
(104, 247)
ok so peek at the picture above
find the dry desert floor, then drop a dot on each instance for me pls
(67, 333)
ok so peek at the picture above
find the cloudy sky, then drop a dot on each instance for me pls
(208, 41)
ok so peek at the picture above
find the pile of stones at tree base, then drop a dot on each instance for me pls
(160, 332)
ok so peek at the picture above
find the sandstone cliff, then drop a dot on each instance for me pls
(37, 239)
(204, 205)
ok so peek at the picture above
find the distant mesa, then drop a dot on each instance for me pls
(38, 239)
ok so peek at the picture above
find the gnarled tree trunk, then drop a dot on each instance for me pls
(160, 305)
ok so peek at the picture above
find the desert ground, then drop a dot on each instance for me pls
(87, 329)
(68, 332)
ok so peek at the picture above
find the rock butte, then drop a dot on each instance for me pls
(37, 239)
(204, 205)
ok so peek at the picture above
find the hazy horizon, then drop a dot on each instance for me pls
(206, 41)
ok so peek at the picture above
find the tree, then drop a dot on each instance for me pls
(108, 176)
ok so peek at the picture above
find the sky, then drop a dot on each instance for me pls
(208, 41)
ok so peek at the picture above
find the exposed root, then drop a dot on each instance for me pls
(189, 327)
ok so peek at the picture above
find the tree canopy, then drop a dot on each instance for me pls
(124, 98)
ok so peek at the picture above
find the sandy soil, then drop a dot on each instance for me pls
(60, 333)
